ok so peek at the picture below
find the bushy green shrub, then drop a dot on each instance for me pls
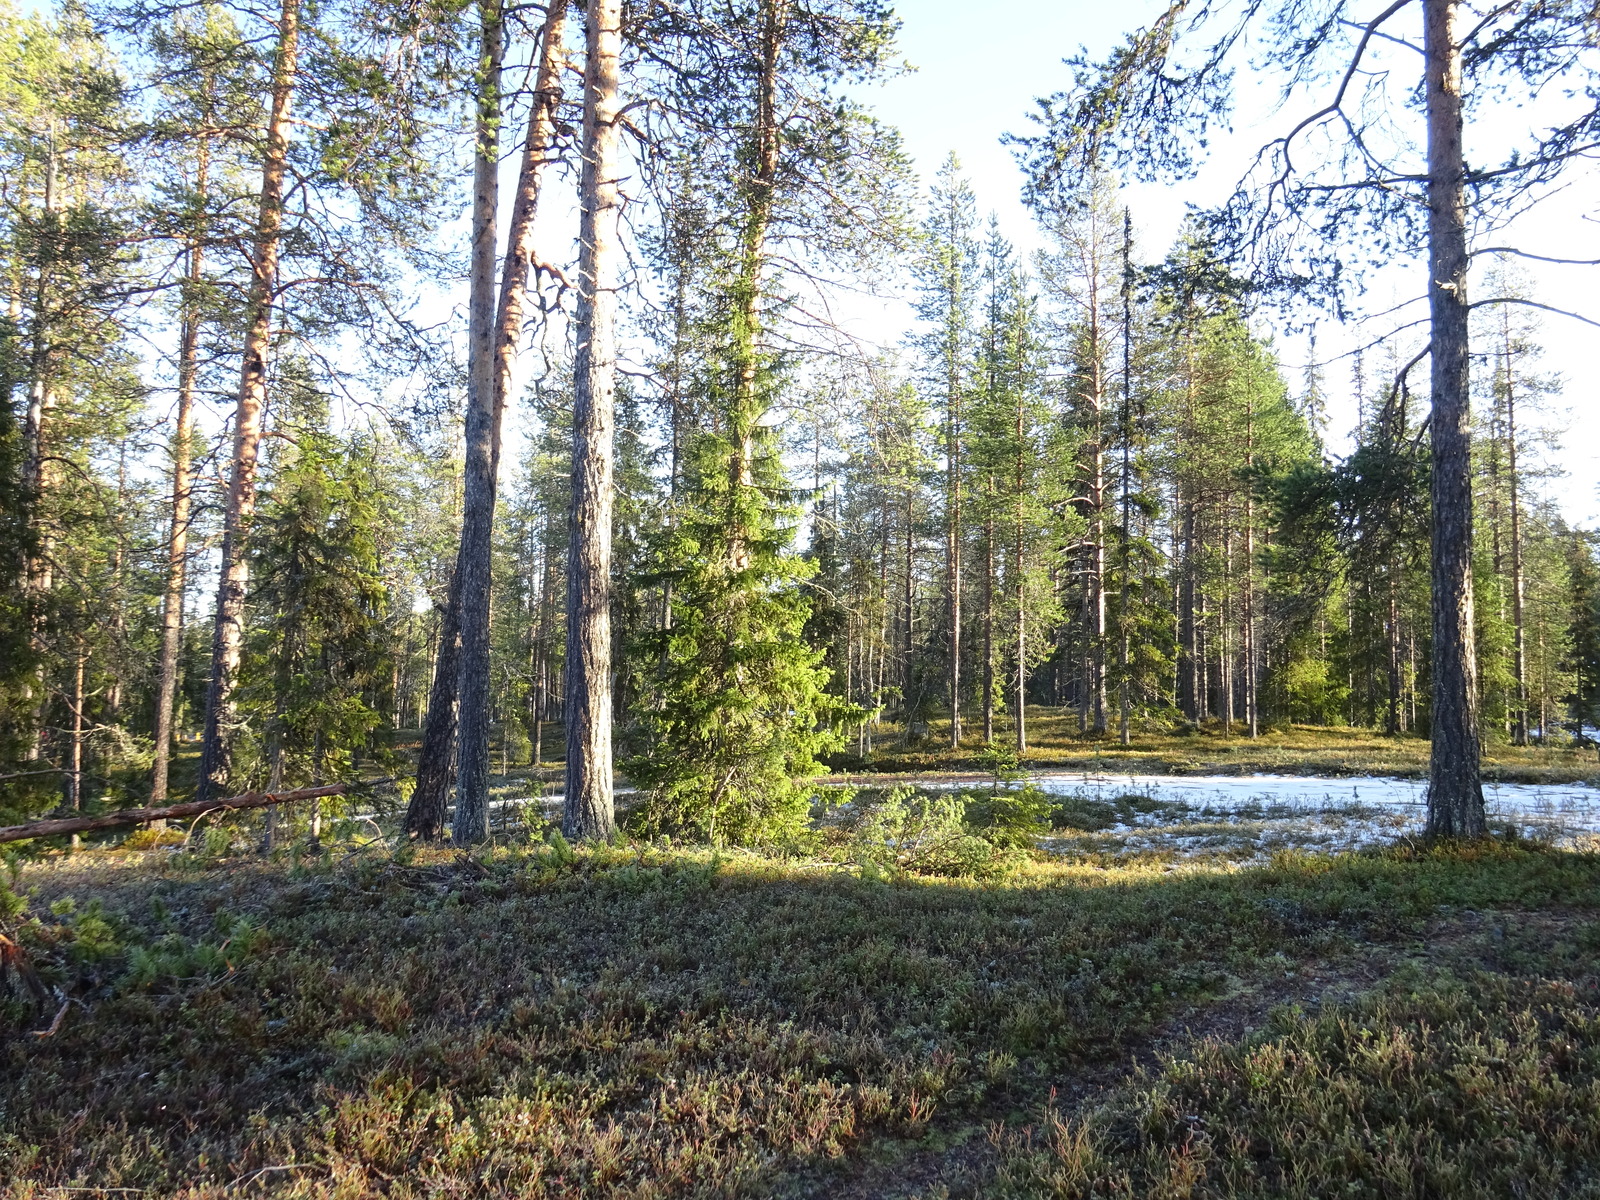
(933, 835)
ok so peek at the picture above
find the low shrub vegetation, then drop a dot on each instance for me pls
(1478, 1087)
(644, 1020)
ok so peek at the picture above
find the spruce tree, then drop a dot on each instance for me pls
(733, 710)
(319, 651)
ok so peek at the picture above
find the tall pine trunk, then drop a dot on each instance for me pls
(474, 564)
(907, 672)
(1519, 655)
(1455, 792)
(228, 636)
(758, 197)
(37, 574)
(178, 531)
(589, 805)
(436, 761)
(459, 697)
(952, 560)
(1097, 567)
(1020, 585)
(1125, 488)
(988, 617)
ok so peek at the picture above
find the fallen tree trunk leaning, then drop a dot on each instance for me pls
(140, 816)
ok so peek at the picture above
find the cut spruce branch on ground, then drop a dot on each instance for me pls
(646, 1021)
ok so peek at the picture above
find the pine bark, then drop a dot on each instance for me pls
(1097, 549)
(1125, 487)
(459, 698)
(1455, 792)
(988, 618)
(589, 803)
(1020, 588)
(474, 561)
(1519, 656)
(436, 762)
(953, 542)
(37, 576)
(759, 197)
(178, 531)
(228, 636)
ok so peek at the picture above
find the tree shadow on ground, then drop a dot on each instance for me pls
(643, 1023)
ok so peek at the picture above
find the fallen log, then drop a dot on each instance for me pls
(141, 816)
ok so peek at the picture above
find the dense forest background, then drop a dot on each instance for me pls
(1082, 482)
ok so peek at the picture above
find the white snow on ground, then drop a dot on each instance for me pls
(1244, 818)
(1248, 818)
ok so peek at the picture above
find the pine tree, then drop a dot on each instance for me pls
(946, 280)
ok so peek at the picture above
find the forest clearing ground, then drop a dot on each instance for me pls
(652, 1021)
(1055, 743)
(962, 1156)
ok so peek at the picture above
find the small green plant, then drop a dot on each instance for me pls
(1013, 820)
(1002, 762)
(923, 835)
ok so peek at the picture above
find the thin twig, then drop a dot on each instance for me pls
(56, 1024)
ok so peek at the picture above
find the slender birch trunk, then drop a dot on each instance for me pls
(589, 805)
(228, 638)
(1455, 791)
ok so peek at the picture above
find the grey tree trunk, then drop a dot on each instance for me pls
(1455, 792)
(436, 763)
(473, 563)
(589, 805)
(1021, 591)
(228, 638)
(74, 774)
(1097, 500)
(459, 698)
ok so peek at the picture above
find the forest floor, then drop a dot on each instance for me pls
(1054, 743)
(1183, 1018)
